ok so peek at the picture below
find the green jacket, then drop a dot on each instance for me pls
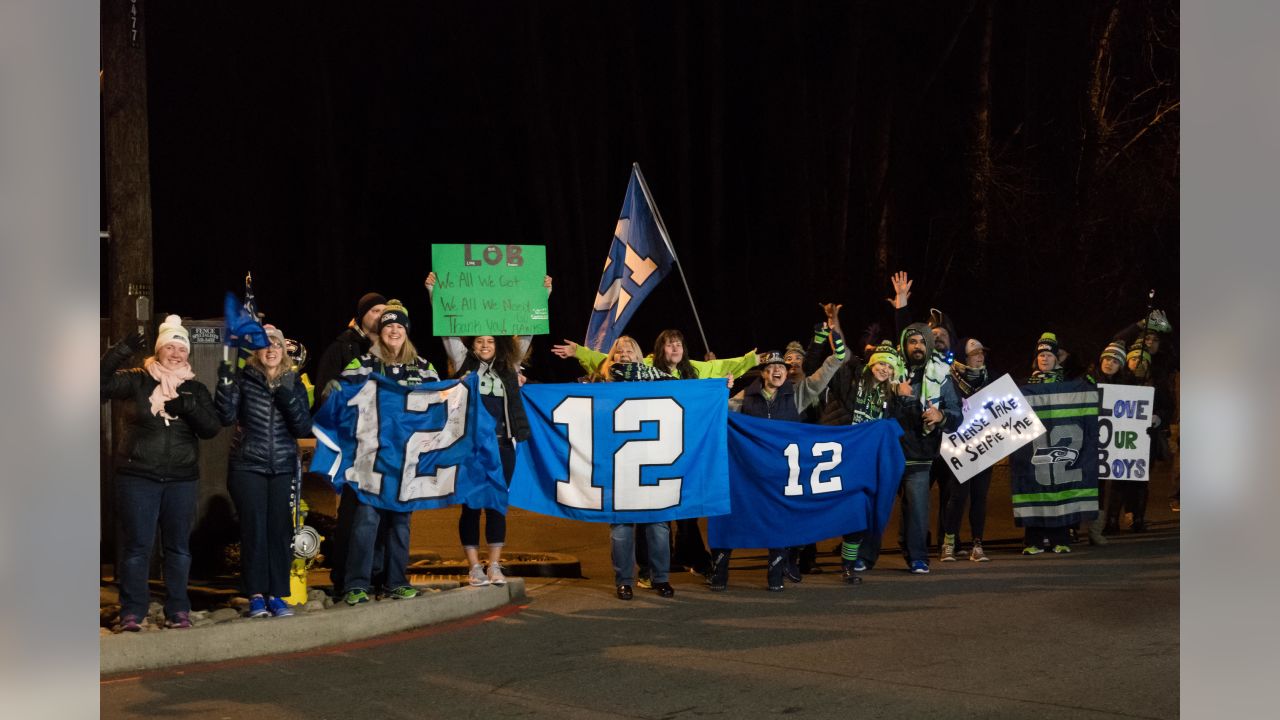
(590, 360)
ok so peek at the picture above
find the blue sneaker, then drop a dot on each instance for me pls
(860, 565)
(919, 567)
(278, 607)
(257, 607)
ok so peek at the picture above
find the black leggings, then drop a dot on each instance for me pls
(495, 527)
(1128, 495)
(957, 493)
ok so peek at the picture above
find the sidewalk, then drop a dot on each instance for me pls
(243, 637)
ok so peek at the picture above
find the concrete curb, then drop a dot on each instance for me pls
(127, 652)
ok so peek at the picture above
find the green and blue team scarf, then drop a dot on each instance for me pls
(1055, 478)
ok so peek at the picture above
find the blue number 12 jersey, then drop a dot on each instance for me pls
(410, 448)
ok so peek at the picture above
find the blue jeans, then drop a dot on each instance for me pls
(914, 501)
(622, 541)
(142, 504)
(363, 563)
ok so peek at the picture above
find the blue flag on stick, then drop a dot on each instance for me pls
(242, 328)
(638, 259)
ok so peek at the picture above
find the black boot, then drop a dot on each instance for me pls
(792, 569)
(848, 575)
(719, 577)
(777, 569)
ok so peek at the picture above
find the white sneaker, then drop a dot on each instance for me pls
(977, 555)
(495, 574)
(477, 577)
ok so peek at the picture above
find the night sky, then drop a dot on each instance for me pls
(327, 147)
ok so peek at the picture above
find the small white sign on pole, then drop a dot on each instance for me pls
(1124, 447)
(997, 421)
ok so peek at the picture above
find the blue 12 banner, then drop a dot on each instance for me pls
(793, 483)
(655, 451)
(410, 448)
(613, 452)
(624, 452)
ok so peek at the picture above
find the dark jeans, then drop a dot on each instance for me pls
(366, 563)
(622, 544)
(913, 499)
(266, 530)
(495, 527)
(957, 493)
(141, 505)
(347, 505)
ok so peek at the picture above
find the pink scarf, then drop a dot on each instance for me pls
(167, 387)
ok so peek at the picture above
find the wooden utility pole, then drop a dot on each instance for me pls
(980, 151)
(126, 161)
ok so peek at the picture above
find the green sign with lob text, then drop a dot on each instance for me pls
(489, 290)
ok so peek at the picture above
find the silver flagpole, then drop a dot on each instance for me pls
(666, 238)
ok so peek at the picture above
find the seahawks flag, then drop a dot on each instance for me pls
(639, 258)
(1055, 477)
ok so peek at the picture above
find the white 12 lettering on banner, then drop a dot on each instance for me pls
(1124, 447)
(629, 459)
(363, 471)
(997, 421)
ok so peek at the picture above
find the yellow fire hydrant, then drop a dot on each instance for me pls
(306, 545)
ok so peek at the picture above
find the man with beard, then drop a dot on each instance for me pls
(936, 409)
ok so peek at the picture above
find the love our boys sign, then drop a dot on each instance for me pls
(1124, 447)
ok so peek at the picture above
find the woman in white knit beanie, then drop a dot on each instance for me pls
(157, 466)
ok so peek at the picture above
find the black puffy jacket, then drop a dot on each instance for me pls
(268, 421)
(157, 448)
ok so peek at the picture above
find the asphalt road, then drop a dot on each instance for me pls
(1085, 635)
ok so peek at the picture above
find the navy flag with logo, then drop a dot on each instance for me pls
(638, 259)
(1055, 477)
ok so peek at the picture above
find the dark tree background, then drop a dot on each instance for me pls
(1019, 160)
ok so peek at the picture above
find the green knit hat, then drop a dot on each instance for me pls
(886, 353)
(1137, 350)
(1048, 342)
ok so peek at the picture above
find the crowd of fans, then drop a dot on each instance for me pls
(917, 377)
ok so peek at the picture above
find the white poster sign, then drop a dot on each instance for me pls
(997, 421)
(1124, 447)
